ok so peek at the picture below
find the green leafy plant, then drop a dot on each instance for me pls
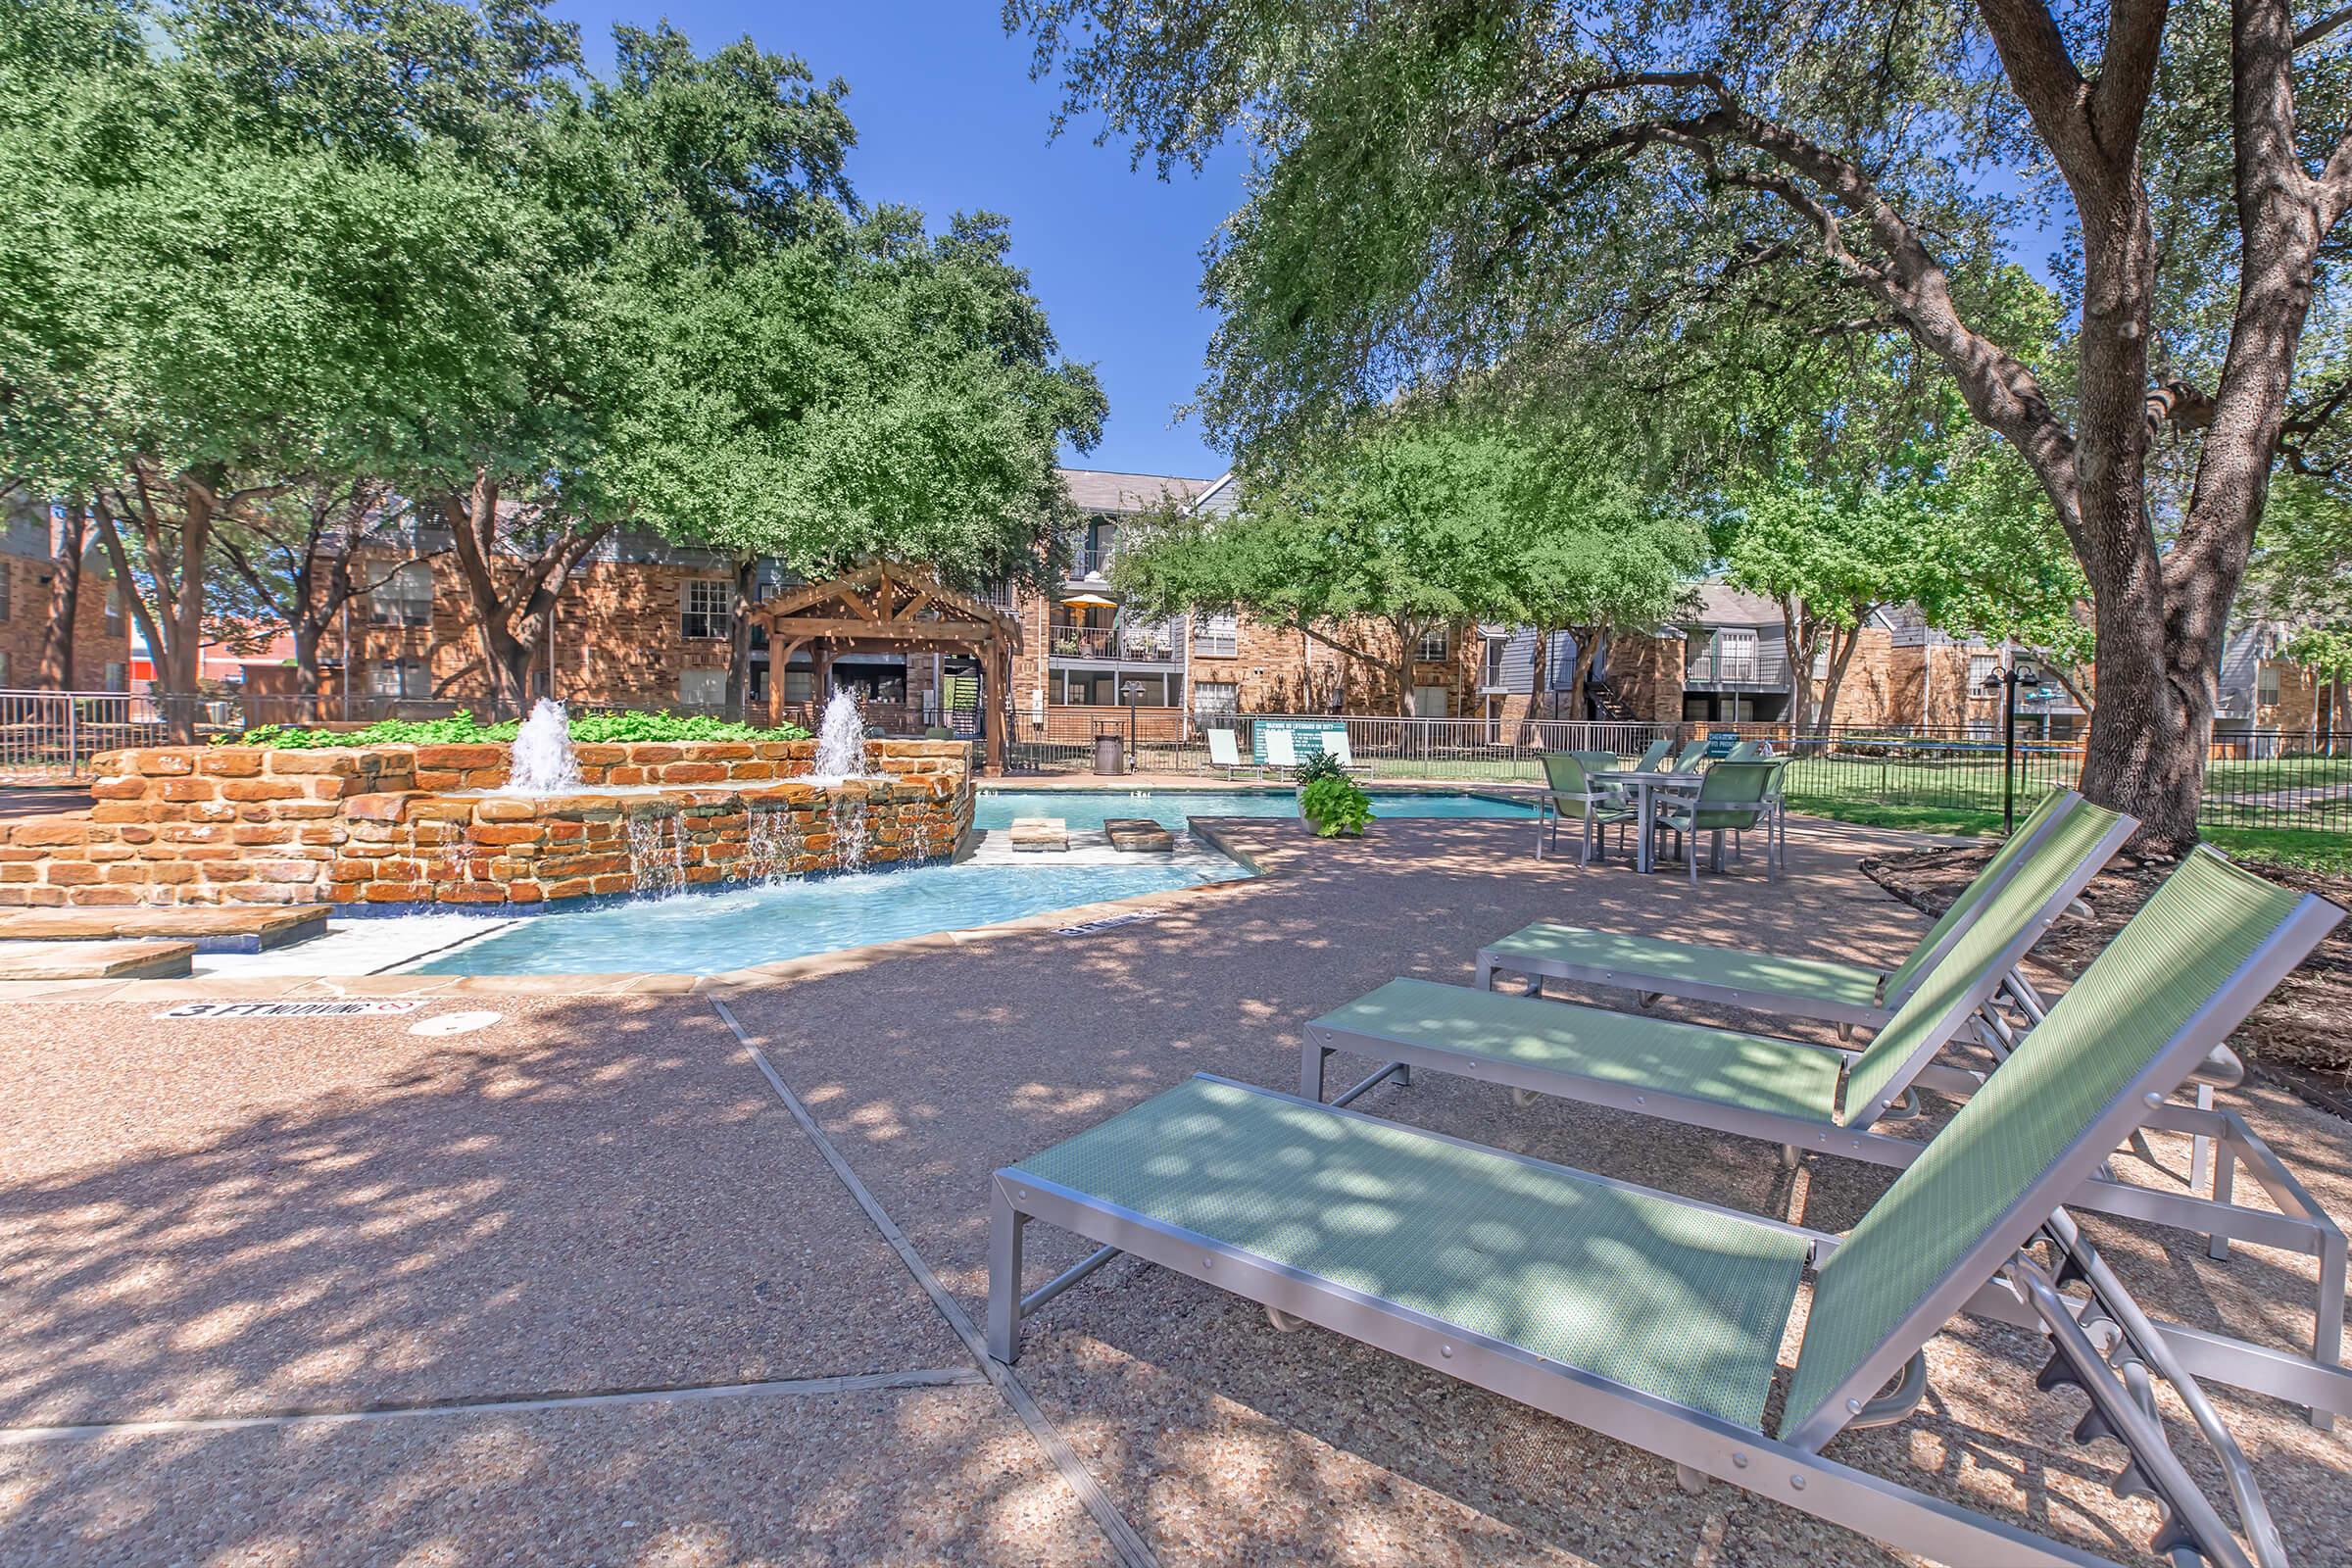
(463, 729)
(1318, 765)
(1337, 806)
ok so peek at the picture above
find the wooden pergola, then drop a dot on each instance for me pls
(891, 608)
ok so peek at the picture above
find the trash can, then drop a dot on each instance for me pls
(1110, 756)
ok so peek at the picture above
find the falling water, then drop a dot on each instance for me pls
(840, 742)
(544, 760)
(848, 824)
(658, 854)
(770, 845)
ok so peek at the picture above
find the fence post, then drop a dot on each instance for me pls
(72, 744)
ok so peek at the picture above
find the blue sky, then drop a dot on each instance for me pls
(947, 118)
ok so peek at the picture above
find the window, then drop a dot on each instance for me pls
(399, 677)
(118, 678)
(702, 688)
(2266, 686)
(114, 609)
(1437, 646)
(800, 685)
(706, 612)
(5, 575)
(405, 597)
(1735, 654)
(1981, 668)
(2, 670)
(1216, 636)
(1429, 701)
(1491, 673)
(1821, 662)
(1216, 699)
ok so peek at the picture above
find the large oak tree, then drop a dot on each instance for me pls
(1515, 186)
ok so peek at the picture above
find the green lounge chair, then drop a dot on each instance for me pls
(1732, 798)
(1834, 1101)
(1690, 758)
(1750, 752)
(1225, 753)
(1657, 1320)
(1574, 794)
(1801, 987)
(1654, 757)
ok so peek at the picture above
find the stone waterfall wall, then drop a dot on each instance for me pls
(385, 826)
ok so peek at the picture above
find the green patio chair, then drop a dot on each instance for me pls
(1604, 762)
(1831, 1100)
(1691, 755)
(1657, 1320)
(1845, 995)
(1653, 758)
(1574, 794)
(1732, 798)
(1750, 752)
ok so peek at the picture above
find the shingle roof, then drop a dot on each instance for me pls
(1720, 605)
(1097, 490)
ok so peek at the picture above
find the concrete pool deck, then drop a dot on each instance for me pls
(576, 1283)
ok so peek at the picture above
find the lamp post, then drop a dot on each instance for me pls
(2006, 681)
(1135, 691)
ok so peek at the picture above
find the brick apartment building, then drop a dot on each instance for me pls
(28, 570)
(645, 622)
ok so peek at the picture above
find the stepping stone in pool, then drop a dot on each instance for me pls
(1032, 834)
(1138, 834)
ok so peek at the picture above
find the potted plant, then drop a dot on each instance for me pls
(1329, 800)
(1336, 808)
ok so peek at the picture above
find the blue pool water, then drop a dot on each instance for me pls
(1087, 809)
(705, 933)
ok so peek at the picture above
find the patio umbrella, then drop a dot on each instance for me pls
(1091, 601)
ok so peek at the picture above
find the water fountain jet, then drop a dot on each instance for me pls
(544, 762)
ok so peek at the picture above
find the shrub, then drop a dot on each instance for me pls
(1318, 765)
(1336, 805)
(463, 728)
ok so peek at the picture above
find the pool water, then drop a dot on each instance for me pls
(707, 933)
(1087, 809)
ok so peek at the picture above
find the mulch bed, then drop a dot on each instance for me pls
(2300, 1038)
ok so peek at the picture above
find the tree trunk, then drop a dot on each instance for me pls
(65, 596)
(1842, 643)
(1406, 650)
(1588, 648)
(1800, 630)
(739, 641)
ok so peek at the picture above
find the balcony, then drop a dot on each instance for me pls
(1092, 565)
(1134, 645)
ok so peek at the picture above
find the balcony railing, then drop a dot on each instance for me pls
(1150, 644)
(1089, 565)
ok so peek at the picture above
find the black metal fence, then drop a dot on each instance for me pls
(1950, 777)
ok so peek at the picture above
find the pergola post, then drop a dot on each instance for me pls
(996, 713)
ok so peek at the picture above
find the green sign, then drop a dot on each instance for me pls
(1308, 736)
(1721, 743)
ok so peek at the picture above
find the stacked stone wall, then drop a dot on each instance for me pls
(401, 824)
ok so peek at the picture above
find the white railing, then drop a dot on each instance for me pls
(1492, 750)
(55, 735)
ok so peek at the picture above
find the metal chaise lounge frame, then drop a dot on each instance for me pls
(1482, 1264)
(1802, 988)
(1832, 1098)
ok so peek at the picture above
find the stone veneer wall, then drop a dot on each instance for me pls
(381, 824)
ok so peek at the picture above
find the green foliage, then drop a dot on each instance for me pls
(1424, 515)
(463, 728)
(1337, 806)
(1319, 766)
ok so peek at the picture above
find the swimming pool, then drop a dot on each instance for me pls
(1087, 809)
(707, 933)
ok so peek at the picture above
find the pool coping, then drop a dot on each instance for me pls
(311, 988)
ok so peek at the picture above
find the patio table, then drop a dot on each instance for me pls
(1645, 787)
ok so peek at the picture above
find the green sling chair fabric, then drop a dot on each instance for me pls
(1729, 796)
(1964, 907)
(1725, 1066)
(1637, 957)
(2176, 954)
(1652, 758)
(1907, 1035)
(1686, 1304)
